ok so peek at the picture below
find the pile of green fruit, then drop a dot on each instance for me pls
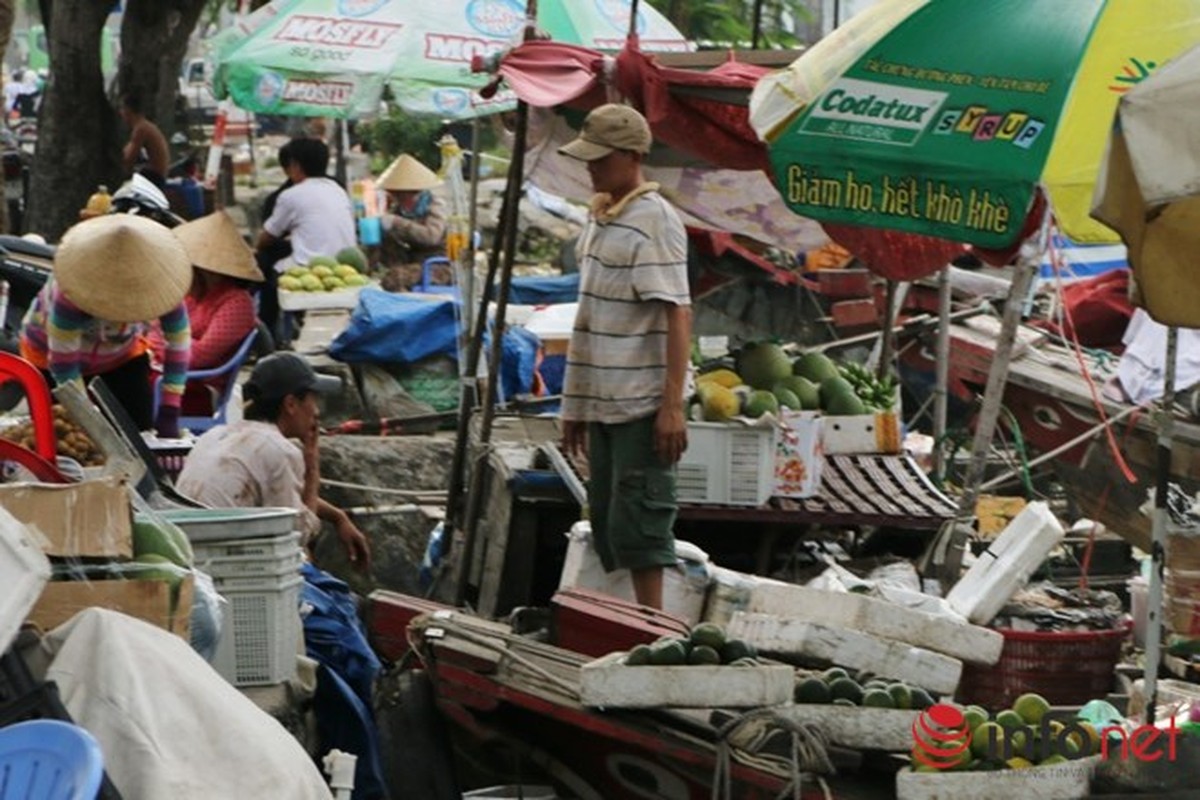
(327, 273)
(1020, 737)
(763, 379)
(706, 645)
(835, 686)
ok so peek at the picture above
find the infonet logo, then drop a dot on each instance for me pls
(942, 740)
(337, 32)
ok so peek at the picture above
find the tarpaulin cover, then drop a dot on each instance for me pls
(169, 725)
(533, 290)
(710, 126)
(395, 328)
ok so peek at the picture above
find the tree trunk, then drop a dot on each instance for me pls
(154, 40)
(77, 144)
(7, 12)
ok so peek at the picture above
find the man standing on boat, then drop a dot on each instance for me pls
(623, 393)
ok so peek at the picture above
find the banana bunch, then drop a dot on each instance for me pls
(875, 394)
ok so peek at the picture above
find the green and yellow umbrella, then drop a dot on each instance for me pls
(942, 117)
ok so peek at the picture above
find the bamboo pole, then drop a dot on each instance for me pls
(941, 392)
(1160, 521)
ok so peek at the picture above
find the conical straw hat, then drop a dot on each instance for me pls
(214, 243)
(122, 268)
(408, 174)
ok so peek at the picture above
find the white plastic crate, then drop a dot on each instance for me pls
(262, 635)
(727, 463)
(273, 547)
(256, 582)
(252, 566)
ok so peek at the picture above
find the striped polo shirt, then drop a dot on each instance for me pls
(632, 264)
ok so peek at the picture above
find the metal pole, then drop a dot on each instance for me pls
(1154, 599)
(941, 395)
(887, 346)
(469, 288)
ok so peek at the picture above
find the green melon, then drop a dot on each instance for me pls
(669, 653)
(352, 256)
(786, 397)
(811, 690)
(817, 367)
(763, 365)
(322, 261)
(704, 655)
(708, 634)
(847, 688)
(878, 698)
(638, 656)
(735, 650)
(761, 402)
(838, 398)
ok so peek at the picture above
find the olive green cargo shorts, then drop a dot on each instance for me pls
(631, 495)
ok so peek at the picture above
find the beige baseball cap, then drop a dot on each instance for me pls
(607, 128)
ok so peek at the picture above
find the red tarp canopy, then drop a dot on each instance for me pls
(703, 114)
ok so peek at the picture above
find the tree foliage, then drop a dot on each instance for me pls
(730, 23)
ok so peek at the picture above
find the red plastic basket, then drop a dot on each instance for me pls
(1067, 668)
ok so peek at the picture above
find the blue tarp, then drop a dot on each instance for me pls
(537, 291)
(394, 328)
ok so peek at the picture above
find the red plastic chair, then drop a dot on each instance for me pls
(37, 394)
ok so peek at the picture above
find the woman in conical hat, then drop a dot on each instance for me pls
(219, 304)
(416, 217)
(113, 275)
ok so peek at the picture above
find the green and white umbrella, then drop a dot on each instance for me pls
(941, 117)
(334, 57)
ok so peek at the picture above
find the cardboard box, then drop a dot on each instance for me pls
(799, 457)
(148, 600)
(92, 518)
(607, 682)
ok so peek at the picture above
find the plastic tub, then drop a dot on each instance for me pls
(213, 524)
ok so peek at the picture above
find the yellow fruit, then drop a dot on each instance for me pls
(1092, 746)
(1052, 759)
(356, 280)
(1019, 763)
(344, 270)
(722, 377)
(1031, 707)
(987, 740)
(311, 283)
(333, 282)
(719, 402)
(290, 283)
(321, 271)
(297, 272)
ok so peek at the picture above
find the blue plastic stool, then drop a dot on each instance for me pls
(50, 760)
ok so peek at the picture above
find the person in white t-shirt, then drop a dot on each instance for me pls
(315, 213)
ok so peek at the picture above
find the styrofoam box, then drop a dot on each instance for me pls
(792, 640)
(685, 586)
(727, 463)
(1006, 565)
(608, 683)
(862, 433)
(1054, 782)
(861, 728)
(799, 459)
(879, 618)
